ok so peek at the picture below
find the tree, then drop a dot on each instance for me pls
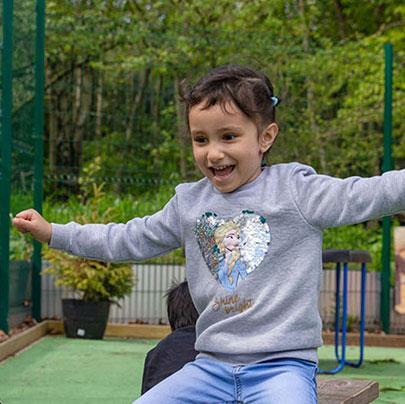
(113, 70)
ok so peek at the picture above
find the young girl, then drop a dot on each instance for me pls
(258, 343)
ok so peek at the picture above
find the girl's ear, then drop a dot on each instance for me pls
(268, 136)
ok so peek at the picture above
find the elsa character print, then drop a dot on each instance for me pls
(230, 267)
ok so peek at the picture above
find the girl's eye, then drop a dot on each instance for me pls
(229, 136)
(200, 139)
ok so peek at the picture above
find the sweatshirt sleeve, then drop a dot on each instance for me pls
(138, 239)
(325, 201)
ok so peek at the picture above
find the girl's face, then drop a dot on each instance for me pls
(231, 240)
(227, 146)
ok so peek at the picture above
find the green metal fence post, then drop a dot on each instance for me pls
(39, 150)
(6, 136)
(385, 305)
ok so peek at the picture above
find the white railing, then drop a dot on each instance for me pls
(147, 304)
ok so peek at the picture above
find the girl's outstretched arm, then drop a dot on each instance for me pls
(138, 239)
(329, 202)
(30, 221)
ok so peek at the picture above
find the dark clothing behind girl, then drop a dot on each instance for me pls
(169, 356)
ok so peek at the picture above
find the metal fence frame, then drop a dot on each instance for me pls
(9, 118)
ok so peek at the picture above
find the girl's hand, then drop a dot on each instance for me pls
(30, 221)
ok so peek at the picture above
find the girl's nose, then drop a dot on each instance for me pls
(215, 154)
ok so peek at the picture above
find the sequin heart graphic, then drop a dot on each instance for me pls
(232, 248)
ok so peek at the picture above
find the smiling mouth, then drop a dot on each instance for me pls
(222, 171)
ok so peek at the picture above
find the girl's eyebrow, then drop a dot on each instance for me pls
(228, 128)
(196, 132)
(221, 129)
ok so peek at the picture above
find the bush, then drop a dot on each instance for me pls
(95, 280)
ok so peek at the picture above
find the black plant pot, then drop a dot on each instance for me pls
(83, 319)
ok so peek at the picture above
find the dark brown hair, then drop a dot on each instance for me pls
(180, 308)
(251, 91)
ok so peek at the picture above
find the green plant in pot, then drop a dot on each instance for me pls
(97, 284)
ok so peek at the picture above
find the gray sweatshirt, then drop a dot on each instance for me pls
(254, 256)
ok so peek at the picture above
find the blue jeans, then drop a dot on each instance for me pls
(207, 381)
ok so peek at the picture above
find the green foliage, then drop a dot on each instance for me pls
(20, 246)
(365, 236)
(357, 237)
(326, 63)
(95, 280)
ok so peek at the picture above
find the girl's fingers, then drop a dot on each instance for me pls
(25, 221)
(22, 224)
(27, 214)
(31, 221)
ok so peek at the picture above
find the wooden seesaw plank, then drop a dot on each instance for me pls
(339, 391)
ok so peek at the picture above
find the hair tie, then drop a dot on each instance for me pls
(275, 100)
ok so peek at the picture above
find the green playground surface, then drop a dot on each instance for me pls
(58, 370)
